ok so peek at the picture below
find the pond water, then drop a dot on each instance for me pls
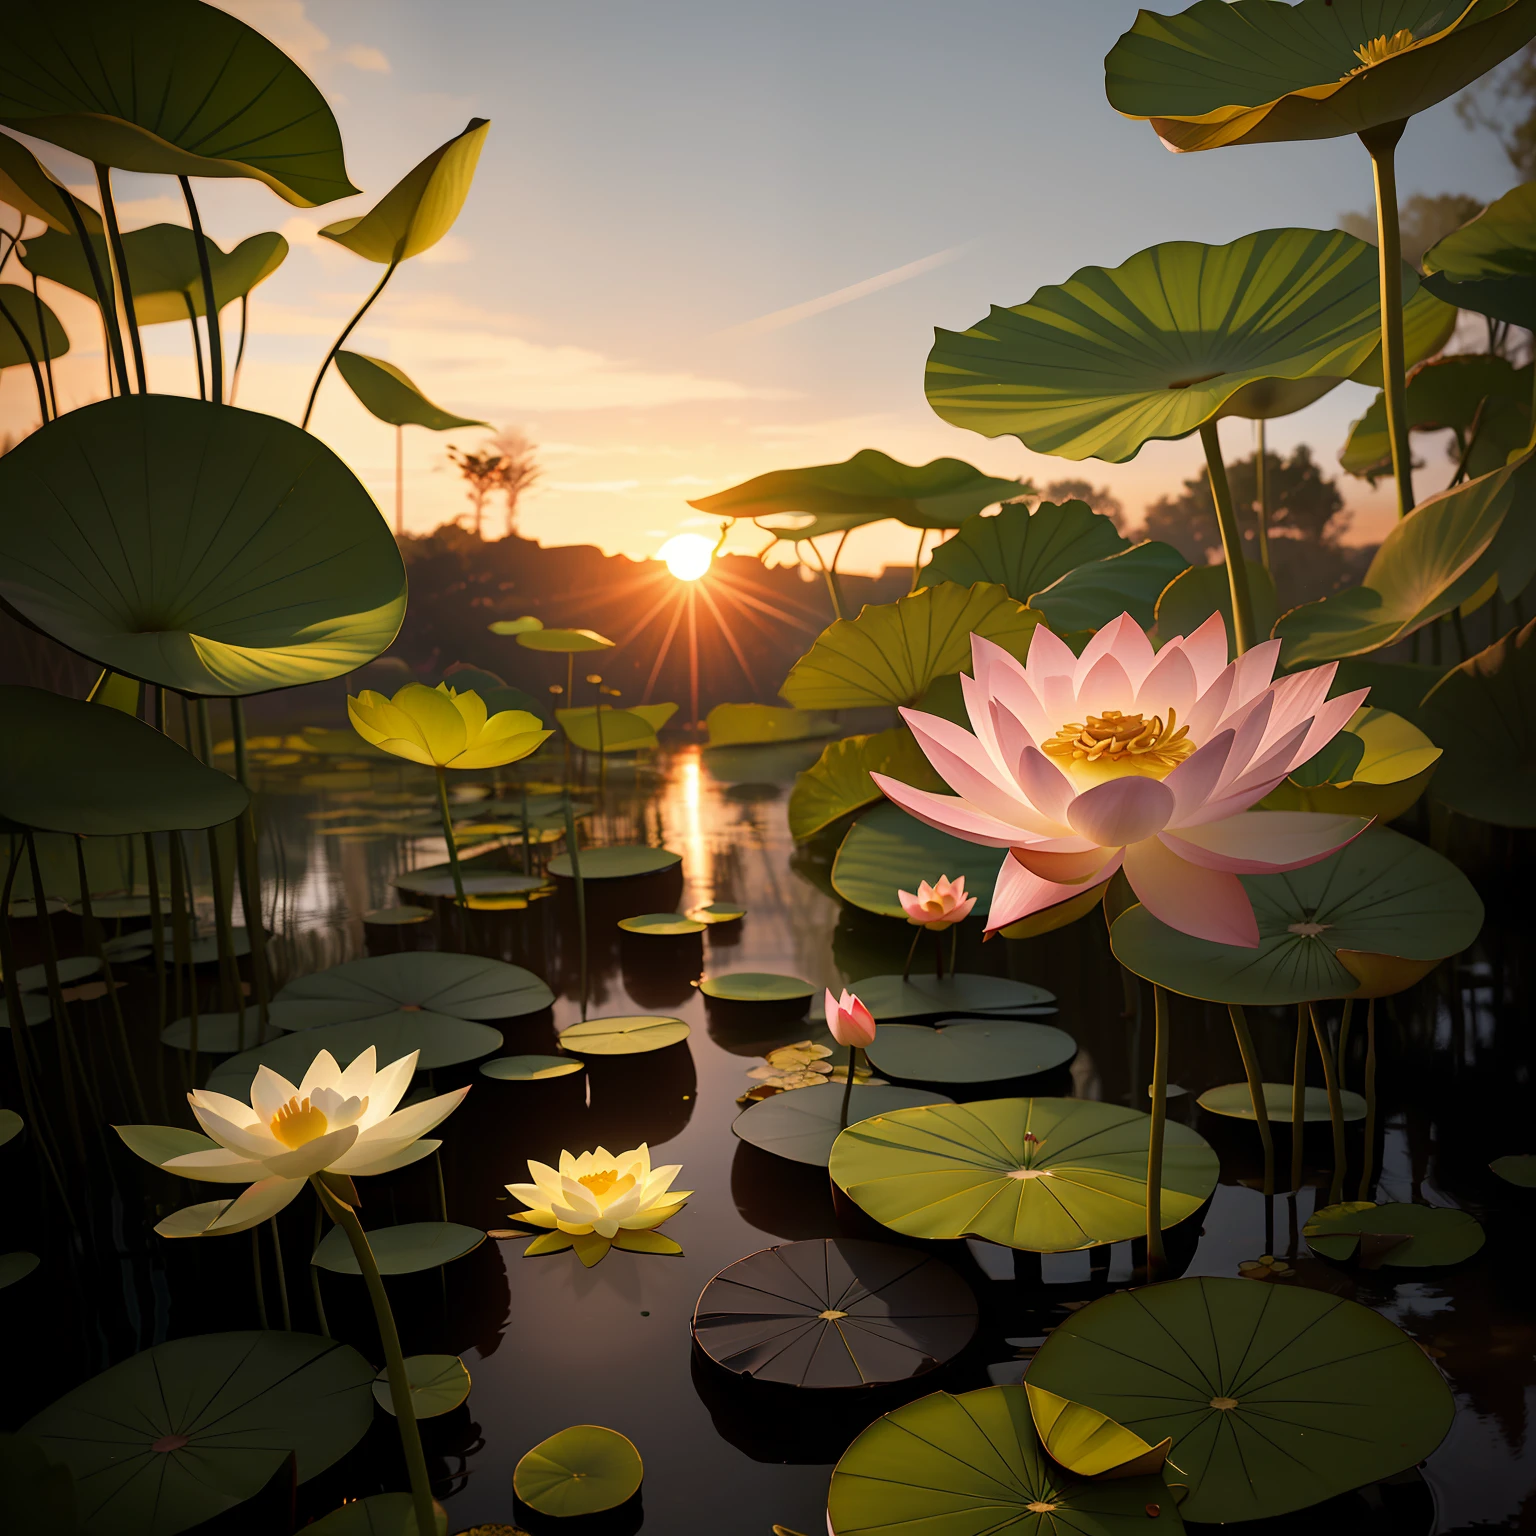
(550, 1344)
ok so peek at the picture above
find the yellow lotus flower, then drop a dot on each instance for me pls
(598, 1201)
(444, 729)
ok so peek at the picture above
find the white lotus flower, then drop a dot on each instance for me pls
(335, 1121)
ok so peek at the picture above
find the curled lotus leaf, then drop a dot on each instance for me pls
(23, 340)
(602, 728)
(1487, 265)
(1195, 594)
(1090, 1443)
(1397, 1235)
(390, 394)
(1428, 323)
(838, 782)
(1096, 594)
(1024, 551)
(31, 189)
(1384, 763)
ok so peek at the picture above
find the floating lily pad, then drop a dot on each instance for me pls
(628, 1035)
(756, 987)
(35, 1009)
(529, 1069)
(1235, 1101)
(1519, 1169)
(802, 1125)
(835, 1312)
(887, 851)
(1397, 1235)
(186, 1430)
(1384, 894)
(439, 1383)
(397, 917)
(972, 1464)
(219, 1033)
(889, 997)
(666, 925)
(750, 725)
(11, 1125)
(380, 1514)
(438, 881)
(617, 862)
(461, 986)
(969, 1050)
(1047, 1175)
(401, 1250)
(718, 912)
(580, 1471)
(16, 1266)
(1277, 1397)
(564, 641)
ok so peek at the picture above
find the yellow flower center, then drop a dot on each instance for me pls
(607, 1182)
(298, 1122)
(831, 1315)
(1121, 742)
(1380, 49)
(1224, 1404)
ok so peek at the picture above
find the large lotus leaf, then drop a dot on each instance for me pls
(814, 526)
(1488, 264)
(803, 1124)
(756, 987)
(420, 208)
(1453, 392)
(893, 651)
(20, 330)
(461, 986)
(1391, 762)
(1276, 1396)
(1195, 594)
(437, 1384)
(1384, 894)
(839, 782)
(1255, 72)
(405, 1249)
(1399, 1236)
(750, 725)
(969, 1050)
(867, 488)
(1432, 561)
(1024, 551)
(972, 1465)
(1114, 358)
(1485, 713)
(69, 766)
(1095, 595)
(618, 861)
(174, 89)
(1428, 323)
(604, 729)
(834, 1312)
(889, 851)
(923, 996)
(1047, 1175)
(30, 188)
(563, 641)
(624, 1035)
(388, 393)
(163, 268)
(185, 1431)
(197, 546)
(1235, 1102)
(580, 1471)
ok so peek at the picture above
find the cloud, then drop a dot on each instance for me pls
(362, 56)
(285, 23)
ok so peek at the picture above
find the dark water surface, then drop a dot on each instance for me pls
(550, 1344)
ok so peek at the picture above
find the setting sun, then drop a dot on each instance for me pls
(688, 555)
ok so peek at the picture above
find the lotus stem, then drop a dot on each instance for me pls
(314, 1277)
(833, 595)
(1298, 1096)
(117, 262)
(917, 562)
(1156, 1258)
(42, 333)
(157, 944)
(1335, 1110)
(1381, 144)
(399, 1383)
(1243, 632)
(181, 946)
(1370, 1101)
(906, 970)
(248, 866)
(351, 325)
(954, 948)
(581, 896)
(94, 937)
(245, 313)
(1261, 491)
(938, 956)
(104, 300)
(522, 790)
(26, 346)
(1343, 1045)
(453, 848)
(261, 1292)
(1255, 1094)
(64, 1035)
(197, 347)
(210, 301)
(282, 1279)
(842, 1123)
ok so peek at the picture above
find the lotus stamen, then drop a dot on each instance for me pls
(1380, 49)
(298, 1122)
(1116, 738)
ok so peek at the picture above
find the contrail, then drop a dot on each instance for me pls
(797, 312)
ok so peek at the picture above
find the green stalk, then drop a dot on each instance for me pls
(157, 943)
(104, 299)
(261, 1294)
(282, 1279)
(64, 1029)
(1370, 1101)
(581, 895)
(1381, 144)
(197, 347)
(1261, 493)
(248, 866)
(210, 302)
(917, 560)
(96, 940)
(906, 970)
(347, 330)
(314, 1279)
(1156, 1258)
(117, 261)
(399, 1383)
(1244, 634)
(234, 381)
(1335, 1110)
(853, 1052)
(26, 346)
(453, 850)
(1298, 1095)
(42, 334)
(1255, 1094)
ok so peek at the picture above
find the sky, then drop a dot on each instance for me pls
(710, 238)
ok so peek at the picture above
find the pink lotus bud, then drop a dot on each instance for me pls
(938, 906)
(850, 1022)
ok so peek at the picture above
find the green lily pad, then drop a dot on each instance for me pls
(1398, 1236)
(1047, 1175)
(1377, 766)
(1247, 74)
(1277, 1397)
(529, 1069)
(893, 651)
(756, 987)
(30, 189)
(607, 729)
(197, 546)
(750, 725)
(219, 1033)
(718, 912)
(867, 488)
(389, 393)
(437, 880)
(376, 1514)
(401, 1250)
(626, 1035)
(1118, 357)
(51, 774)
(1428, 323)
(1024, 551)
(969, 1050)
(1519, 1169)
(18, 311)
(563, 641)
(619, 861)
(666, 925)
(461, 986)
(1384, 894)
(889, 997)
(839, 782)
(439, 1383)
(972, 1464)
(11, 1125)
(70, 969)
(802, 1125)
(580, 1471)
(1486, 265)
(16, 1266)
(397, 917)
(35, 1009)
(187, 1430)
(1096, 594)
(887, 851)
(1234, 1101)
(1194, 595)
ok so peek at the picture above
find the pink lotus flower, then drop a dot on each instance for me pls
(849, 1021)
(1126, 758)
(937, 907)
